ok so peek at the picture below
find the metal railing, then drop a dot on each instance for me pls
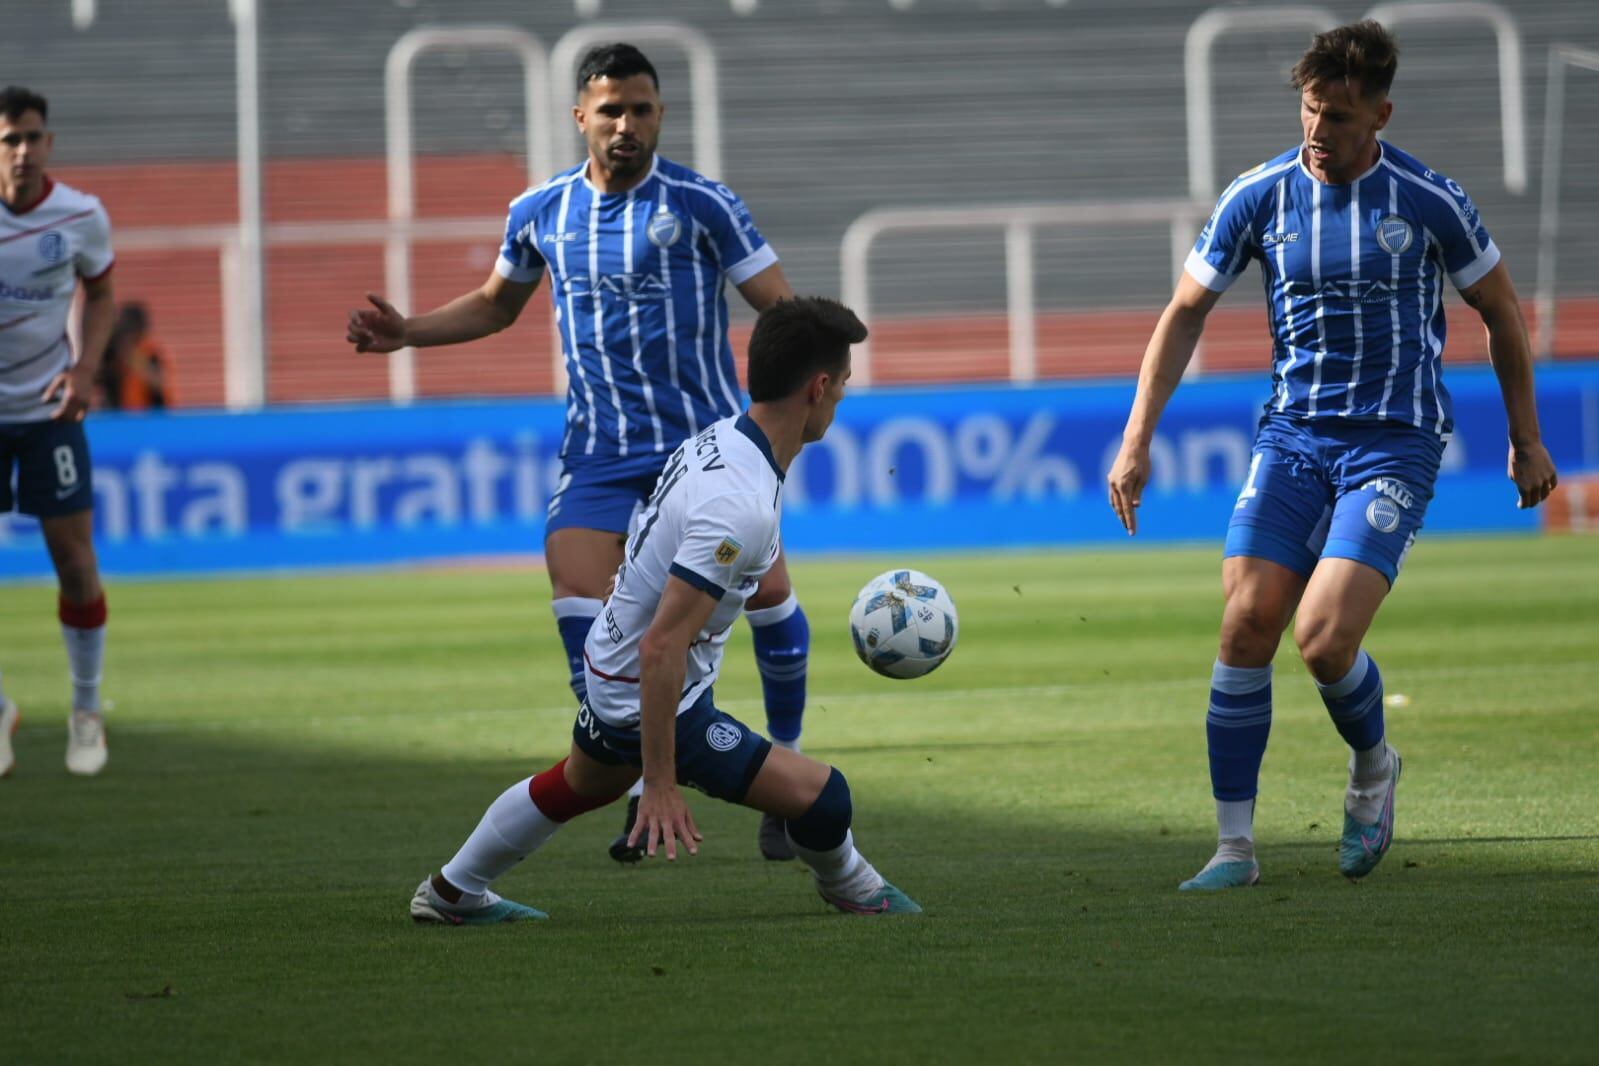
(401, 149)
(1201, 40)
(1554, 136)
(1019, 222)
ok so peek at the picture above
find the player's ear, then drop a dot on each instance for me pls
(1385, 112)
(579, 118)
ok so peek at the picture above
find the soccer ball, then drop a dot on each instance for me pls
(903, 623)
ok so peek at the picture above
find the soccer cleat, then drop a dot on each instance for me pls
(886, 900)
(1362, 846)
(773, 839)
(428, 906)
(86, 750)
(1238, 873)
(621, 850)
(10, 718)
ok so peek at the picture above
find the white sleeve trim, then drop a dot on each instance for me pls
(1477, 269)
(752, 264)
(1199, 268)
(511, 272)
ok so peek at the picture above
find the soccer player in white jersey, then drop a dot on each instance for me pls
(707, 535)
(52, 238)
(1354, 238)
(637, 249)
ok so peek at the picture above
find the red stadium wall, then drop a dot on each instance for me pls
(311, 290)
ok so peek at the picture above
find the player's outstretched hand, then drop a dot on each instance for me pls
(663, 816)
(1533, 471)
(71, 395)
(380, 330)
(1128, 476)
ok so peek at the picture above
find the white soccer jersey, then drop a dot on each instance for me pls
(44, 250)
(712, 522)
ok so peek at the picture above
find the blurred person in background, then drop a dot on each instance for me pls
(1355, 239)
(136, 373)
(638, 250)
(52, 239)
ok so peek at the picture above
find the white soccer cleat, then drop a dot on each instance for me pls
(86, 750)
(10, 718)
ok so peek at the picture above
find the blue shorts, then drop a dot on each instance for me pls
(1334, 489)
(51, 459)
(716, 753)
(603, 493)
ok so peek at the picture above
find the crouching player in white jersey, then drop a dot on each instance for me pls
(707, 535)
(1354, 238)
(637, 249)
(51, 238)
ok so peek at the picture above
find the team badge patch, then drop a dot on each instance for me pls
(664, 229)
(723, 736)
(1383, 514)
(52, 247)
(1394, 234)
(728, 550)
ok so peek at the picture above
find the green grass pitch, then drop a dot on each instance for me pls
(289, 756)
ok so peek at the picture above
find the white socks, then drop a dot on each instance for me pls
(85, 654)
(511, 829)
(843, 871)
(1371, 764)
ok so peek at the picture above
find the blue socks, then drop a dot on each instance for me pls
(1355, 703)
(1236, 726)
(782, 650)
(573, 617)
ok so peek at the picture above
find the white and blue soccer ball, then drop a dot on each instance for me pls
(903, 624)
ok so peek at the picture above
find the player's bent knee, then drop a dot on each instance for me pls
(823, 826)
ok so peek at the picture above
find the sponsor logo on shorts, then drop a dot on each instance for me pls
(723, 736)
(1396, 491)
(1383, 514)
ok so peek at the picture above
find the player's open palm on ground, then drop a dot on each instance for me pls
(1533, 471)
(1128, 476)
(379, 328)
(664, 817)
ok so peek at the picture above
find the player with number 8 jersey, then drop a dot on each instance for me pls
(52, 239)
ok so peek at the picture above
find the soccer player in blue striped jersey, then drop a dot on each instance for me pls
(1355, 239)
(637, 250)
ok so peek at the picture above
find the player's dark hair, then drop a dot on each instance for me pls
(1362, 50)
(615, 61)
(15, 101)
(797, 339)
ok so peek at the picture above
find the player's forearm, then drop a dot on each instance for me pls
(99, 318)
(660, 682)
(1170, 348)
(1511, 355)
(465, 318)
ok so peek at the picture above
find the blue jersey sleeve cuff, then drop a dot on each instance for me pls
(1477, 269)
(751, 265)
(704, 584)
(1199, 268)
(511, 272)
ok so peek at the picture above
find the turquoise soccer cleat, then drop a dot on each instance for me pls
(1362, 847)
(1219, 875)
(427, 906)
(886, 900)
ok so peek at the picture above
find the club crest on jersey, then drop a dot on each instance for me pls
(1394, 234)
(727, 551)
(52, 247)
(664, 229)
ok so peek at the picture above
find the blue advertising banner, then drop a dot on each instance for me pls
(947, 468)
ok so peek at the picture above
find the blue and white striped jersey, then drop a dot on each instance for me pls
(1354, 281)
(637, 282)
